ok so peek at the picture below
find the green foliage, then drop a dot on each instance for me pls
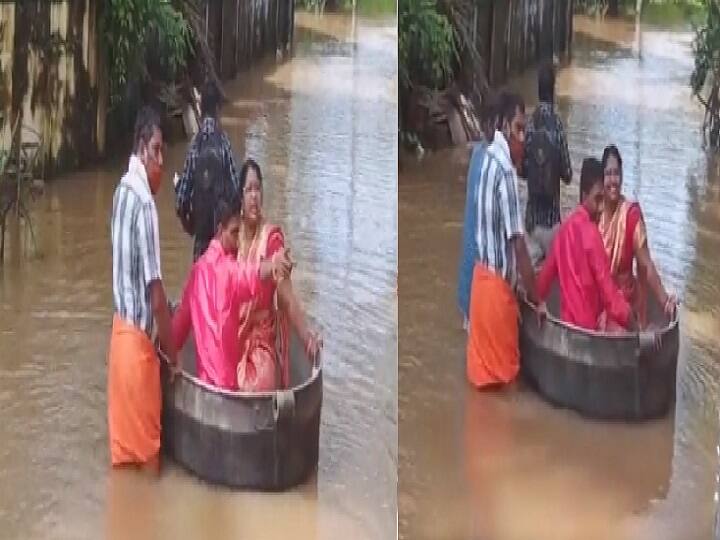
(369, 8)
(322, 4)
(706, 47)
(310, 4)
(705, 78)
(427, 49)
(671, 8)
(135, 28)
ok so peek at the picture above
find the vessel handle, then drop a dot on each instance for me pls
(648, 342)
(317, 362)
(676, 313)
(283, 406)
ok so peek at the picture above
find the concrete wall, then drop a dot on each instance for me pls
(52, 75)
(49, 78)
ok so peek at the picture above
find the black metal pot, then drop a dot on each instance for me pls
(263, 440)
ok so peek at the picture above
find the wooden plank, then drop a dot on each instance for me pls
(546, 30)
(272, 25)
(228, 36)
(484, 34)
(214, 34)
(501, 18)
(238, 62)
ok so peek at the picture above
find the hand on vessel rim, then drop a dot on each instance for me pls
(313, 341)
(671, 305)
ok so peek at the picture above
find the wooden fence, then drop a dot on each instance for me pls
(240, 31)
(514, 34)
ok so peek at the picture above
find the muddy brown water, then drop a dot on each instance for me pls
(322, 124)
(508, 466)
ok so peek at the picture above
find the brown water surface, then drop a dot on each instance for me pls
(508, 466)
(323, 127)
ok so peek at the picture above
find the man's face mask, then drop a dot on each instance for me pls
(517, 151)
(153, 161)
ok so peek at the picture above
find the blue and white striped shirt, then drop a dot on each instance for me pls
(135, 247)
(498, 218)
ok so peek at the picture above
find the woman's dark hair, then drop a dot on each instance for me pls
(210, 99)
(249, 164)
(611, 150)
(509, 105)
(590, 174)
(546, 82)
(147, 120)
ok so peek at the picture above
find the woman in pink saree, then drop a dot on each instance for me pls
(264, 322)
(623, 231)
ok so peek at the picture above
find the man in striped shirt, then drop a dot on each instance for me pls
(493, 348)
(469, 254)
(134, 396)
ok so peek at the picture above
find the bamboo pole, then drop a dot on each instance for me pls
(638, 29)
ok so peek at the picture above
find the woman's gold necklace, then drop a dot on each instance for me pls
(245, 246)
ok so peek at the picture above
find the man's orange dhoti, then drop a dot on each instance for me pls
(493, 352)
(134, 396)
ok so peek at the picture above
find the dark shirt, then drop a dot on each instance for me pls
(546, 212)
(184, 188)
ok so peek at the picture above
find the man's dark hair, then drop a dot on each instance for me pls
(546, 82)
(227, 206)
(590, 174)
(489, 112)
(147, 120)
(509, 106)
(210, 99)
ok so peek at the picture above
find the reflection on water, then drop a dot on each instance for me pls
(323, 127)
(507, 465)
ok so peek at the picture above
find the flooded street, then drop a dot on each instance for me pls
(322, 125)
(508, 466)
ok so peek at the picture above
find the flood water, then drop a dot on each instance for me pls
(506, 465)
(323, 127)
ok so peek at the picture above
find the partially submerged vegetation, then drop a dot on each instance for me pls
(438, 65)
(154, 48)
(435, 51)
(705, 79)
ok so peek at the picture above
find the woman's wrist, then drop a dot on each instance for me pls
(264, 269)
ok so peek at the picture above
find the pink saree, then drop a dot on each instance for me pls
(623, 234)
(263, 335)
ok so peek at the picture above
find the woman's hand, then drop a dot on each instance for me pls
(281, 265)
(671, 304)
(602, 321)
(313, 344)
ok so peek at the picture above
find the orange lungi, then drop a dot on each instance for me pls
(134, 396)
(493, 352)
